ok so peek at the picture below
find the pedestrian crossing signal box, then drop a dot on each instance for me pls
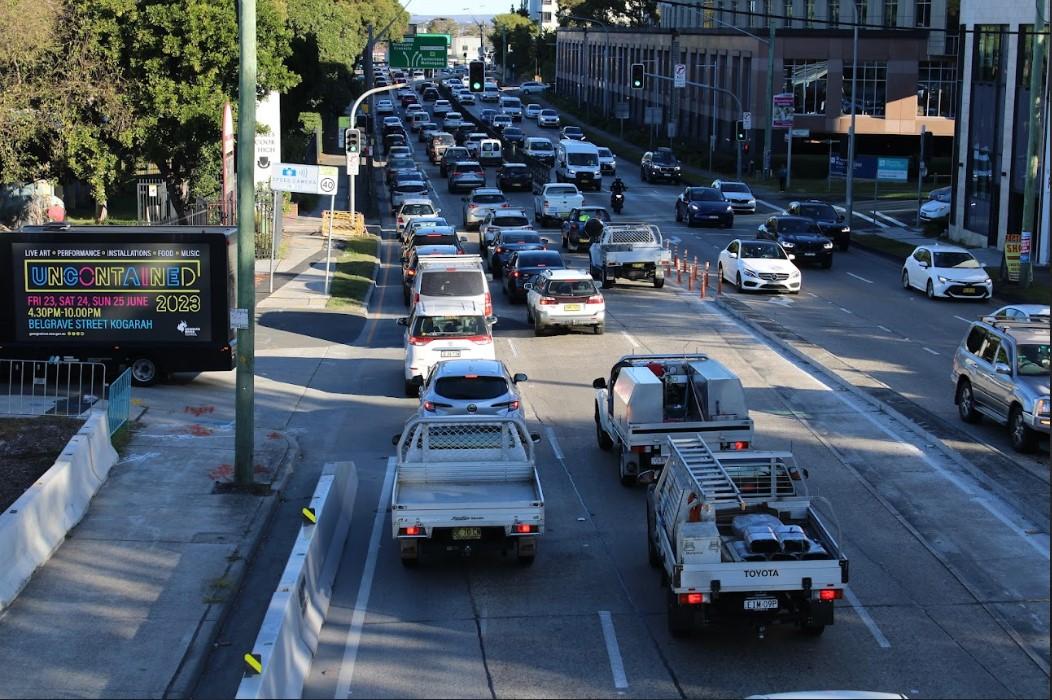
(638, 76)
(476, 76)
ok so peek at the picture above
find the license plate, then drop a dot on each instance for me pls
(472, 533)
(969, 290)
(571, 307)
(809, 254)
(449, 353)
(639, 265)
(761, 603)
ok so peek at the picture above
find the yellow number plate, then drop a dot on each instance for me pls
(467, 533)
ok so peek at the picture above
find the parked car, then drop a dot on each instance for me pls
(564, 299)
(660, 164)
(826, 218)
(798, 236)
(936, 211)
(758, 266)
(946, 271)
(472, 388)
(481, 202)
(696, 205)
(738, 194)
(523, 266)
(466, 176)
(1001, 372)
(512, 241)
(548, 118)
(514, 176)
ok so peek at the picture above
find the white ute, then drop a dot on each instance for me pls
(464, 483)
(738, 539)
(650, 397)
(631, 251)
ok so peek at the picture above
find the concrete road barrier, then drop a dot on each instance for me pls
(288, 636)
(35, 525)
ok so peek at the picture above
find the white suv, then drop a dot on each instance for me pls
(444, 330)
(564, 299)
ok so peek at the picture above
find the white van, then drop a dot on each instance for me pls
(445, 277)
(490, 152)
(578, 162)
(415, 119)
(512, 106)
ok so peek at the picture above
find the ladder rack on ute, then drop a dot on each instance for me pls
(715, 483)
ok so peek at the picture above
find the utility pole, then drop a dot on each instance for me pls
(850, 175)
(1033, 141)
(244, 399)
(504, 55)
(768, 129)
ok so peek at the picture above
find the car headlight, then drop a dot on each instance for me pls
(730, 209)
(693, 206)
(942, 279)
(828, 246)
(845, 229)
(794, 274)
(677, 168)
(788, 244)
(1040, 407)
(749, 273)
(751, 202)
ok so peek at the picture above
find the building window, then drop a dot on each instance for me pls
(833, 14)
(891, 13)
(936, 89)
(872, 88)
(787, 11)
(809, 13)
(922, 13)
(985, 128)
(807, 80)
(546, 16)
(862, 12)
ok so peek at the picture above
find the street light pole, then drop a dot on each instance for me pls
(1033, 143)
(850, 175)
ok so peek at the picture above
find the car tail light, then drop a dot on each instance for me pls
(500, 249)
(595, 300)
(411, 531)
(691, 598)
(505, 204)
(416, 297)
(410, 272)
(418, 340)
(830, 594)
(429, 405)
(515, 273)
(524, 529)
(481, 339)
(546, 301)
(489, 304)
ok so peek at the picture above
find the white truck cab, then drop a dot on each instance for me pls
(578, 162)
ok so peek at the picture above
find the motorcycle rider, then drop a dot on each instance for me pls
(617, 187)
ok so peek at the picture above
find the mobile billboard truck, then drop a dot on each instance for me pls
(156, 299)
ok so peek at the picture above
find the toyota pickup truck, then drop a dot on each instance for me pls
(738, 539)
(631, 251)
(466, 483)
(554, 202)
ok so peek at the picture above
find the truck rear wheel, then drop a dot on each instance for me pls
(628, 479)
(605, 443)
(608, 281)
(144, 371)
(679, 620)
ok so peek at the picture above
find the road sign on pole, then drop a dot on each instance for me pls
(418, 52)
(353, 162)
(747, 121)
(679, 77)
(308, 179)
(782, 110)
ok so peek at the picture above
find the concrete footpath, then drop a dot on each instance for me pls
(130, 604)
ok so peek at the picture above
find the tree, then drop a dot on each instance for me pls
(521, 33)
(443, 25)
(633, 13)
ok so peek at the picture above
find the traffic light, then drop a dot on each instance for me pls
(476, 76)
(352, 139)
(925, 145)
(739, 130)
(638, 76)
(745, 148)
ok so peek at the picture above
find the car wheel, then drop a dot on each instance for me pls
(144, 371)
(678, 618)
(566, 244)
(608, 282)
(601, 436)
(905, 280)
(930, 290)
(598, 329)
(719, 271)
(659, 283)
(690, 220)
(1023, 438)
(966, 403)
(738, 282)
(539, 329)
(411, 390)
(679, 216)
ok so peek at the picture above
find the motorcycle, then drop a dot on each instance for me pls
(617, 202)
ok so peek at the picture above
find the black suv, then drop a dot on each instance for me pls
(660, 164)
(514, 175)
(829, 221)
(800, 237)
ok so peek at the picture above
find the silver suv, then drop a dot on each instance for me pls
(1001, 371)
(472, 388)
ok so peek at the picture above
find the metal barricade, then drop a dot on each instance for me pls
(118, 401)
(51, 387)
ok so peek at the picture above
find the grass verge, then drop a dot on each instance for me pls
(353, 274)
(879, 244)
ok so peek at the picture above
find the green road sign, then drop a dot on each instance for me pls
(418, 52)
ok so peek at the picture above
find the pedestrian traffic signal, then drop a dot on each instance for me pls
(739, 130)
(352, 139)
(638, 76)
(745, 148)
(476, 76)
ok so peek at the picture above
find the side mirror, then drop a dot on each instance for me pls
(791, 256)
(733, 256)
(491, 320)
(924, 265)
(646, 477)
(840, 218)
(519, 377)
(395, 438)
(528, 286)
(1002, 368)
(402, 321)
(535, 437)
(599, 383)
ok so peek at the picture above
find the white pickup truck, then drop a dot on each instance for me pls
(464, 483)
(630, 251)
(738, 539)
(650, 397)
(554, 201)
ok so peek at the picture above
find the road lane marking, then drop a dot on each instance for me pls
(886, 329)
(776, 209)
(846, 311)
(630, 339)
(863, 217)
(865, 616)
(554, 441)
(863, 279)
(959, 318)
(511, 346)
(929, 350)
(892, 219)
(613, 651)
(361, 604)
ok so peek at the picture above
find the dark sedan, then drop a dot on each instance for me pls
(522, 266)
(514, 176)
(704, 205)
(799, 236)
(829, 220)
(508, 242)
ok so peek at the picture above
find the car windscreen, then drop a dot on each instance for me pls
(516, 238)
(438, 326)
(513, 131)
(400, 163)
(795, 226)
(571, 288)
(1033, 359)
(417, 210)
(818, 211)
(541, 258)
(435, 239)
(471, 388)
(488, 199)
(582, 159)
(733, 187)
(664, 157)
(411, 188)
(572, 130)
(941, 196)
(763, 251)
(705, 194)
(453, 153)
(510, 221)
(961, 260)
(444, 139)
(549, 113)
(605, 153)
(540, 146)
(561, 191)
(452, 283)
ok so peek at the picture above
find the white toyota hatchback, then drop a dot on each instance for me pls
(444, 330)
(946, 271)
(759, 266)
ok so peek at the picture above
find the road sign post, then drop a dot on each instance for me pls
(310, 179)
(679, 76)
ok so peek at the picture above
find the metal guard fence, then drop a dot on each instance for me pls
(63, 388)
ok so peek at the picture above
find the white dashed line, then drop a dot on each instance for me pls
(613, 651)
(511, 346)
(927, 349)
(960, 318)
(863, 279)
(846, 311)
(886, 329)
(866, 619)
(630, 339)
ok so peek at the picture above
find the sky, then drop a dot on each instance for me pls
(455, 7)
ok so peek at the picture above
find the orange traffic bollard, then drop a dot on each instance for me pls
(690, 279)
(704, 280)
(679, 273)
(719, 284)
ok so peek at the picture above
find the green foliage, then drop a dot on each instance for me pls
(522, 34)
(443, 25)
(633, 13)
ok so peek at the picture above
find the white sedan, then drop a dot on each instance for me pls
(946, 271)
(531, 87)
(759, 266)
(384, 107)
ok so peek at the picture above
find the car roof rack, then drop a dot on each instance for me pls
(1014, 324)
